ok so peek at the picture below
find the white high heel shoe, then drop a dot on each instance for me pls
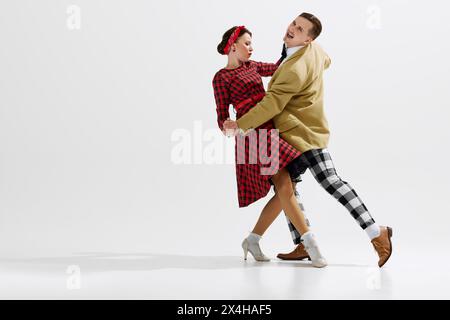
(254, 249)
(312, 247)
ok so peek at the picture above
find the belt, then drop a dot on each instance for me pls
(255, 99)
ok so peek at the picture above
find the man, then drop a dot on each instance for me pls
(294, 101)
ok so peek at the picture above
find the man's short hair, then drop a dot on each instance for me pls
(316, 29)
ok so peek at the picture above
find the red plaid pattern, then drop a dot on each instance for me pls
(234, 86)
(243, 88)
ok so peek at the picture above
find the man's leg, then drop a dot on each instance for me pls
(323, 170)
(299, 253)
(296, 236)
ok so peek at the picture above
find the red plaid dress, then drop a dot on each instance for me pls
(243, 88)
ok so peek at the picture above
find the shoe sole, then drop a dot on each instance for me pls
(292, 259)
(320, 266)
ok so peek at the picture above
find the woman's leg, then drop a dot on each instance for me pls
(292, 209)
(269, 213)
(288, 202)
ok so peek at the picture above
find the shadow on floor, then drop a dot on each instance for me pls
(110, 261)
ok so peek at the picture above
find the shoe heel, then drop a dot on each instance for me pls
(245, 248)
(389, 229)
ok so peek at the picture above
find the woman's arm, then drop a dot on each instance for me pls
(267, 69)
(221, 94)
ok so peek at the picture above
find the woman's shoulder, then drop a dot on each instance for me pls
(219, 76)
(223, 74)
(220, 72)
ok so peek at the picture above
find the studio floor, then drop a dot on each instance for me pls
(171, 276)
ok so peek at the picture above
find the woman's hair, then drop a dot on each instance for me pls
(227, 35)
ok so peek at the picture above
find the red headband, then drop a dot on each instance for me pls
(232, 39)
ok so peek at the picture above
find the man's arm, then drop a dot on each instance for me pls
(327, 62)
(281, 91)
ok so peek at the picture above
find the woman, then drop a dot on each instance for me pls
(240, 84)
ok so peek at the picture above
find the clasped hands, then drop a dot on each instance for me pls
(230, 128)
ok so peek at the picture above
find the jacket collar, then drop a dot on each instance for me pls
(298, 53)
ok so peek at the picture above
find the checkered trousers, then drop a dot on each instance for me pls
(296, 236)
(319, 162)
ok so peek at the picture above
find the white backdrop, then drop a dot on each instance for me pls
(94, 95)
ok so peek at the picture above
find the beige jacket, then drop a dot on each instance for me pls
(294, 100)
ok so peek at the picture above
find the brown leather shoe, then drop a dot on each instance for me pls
(299, 253)
(383, 245)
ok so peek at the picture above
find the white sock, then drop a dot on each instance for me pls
(253, 238)
(308, 237)
(373, 231)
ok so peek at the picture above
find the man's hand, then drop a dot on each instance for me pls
(230, 124)
(230, 128)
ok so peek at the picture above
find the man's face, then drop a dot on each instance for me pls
(297, 33)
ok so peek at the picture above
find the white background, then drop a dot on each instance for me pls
(88, 116)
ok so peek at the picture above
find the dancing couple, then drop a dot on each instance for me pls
(292, 107)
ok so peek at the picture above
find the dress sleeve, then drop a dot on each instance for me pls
(221, 94)
(267, 69)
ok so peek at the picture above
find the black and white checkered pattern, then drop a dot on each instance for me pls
(319, 162)
(296, 236)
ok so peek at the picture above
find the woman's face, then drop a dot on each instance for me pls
(243, 47)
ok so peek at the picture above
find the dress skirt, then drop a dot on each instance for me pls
(259, 155)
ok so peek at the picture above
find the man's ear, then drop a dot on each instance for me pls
(309, 40)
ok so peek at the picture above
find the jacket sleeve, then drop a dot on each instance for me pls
(285, 86)
(221, 95)
(327, 62)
